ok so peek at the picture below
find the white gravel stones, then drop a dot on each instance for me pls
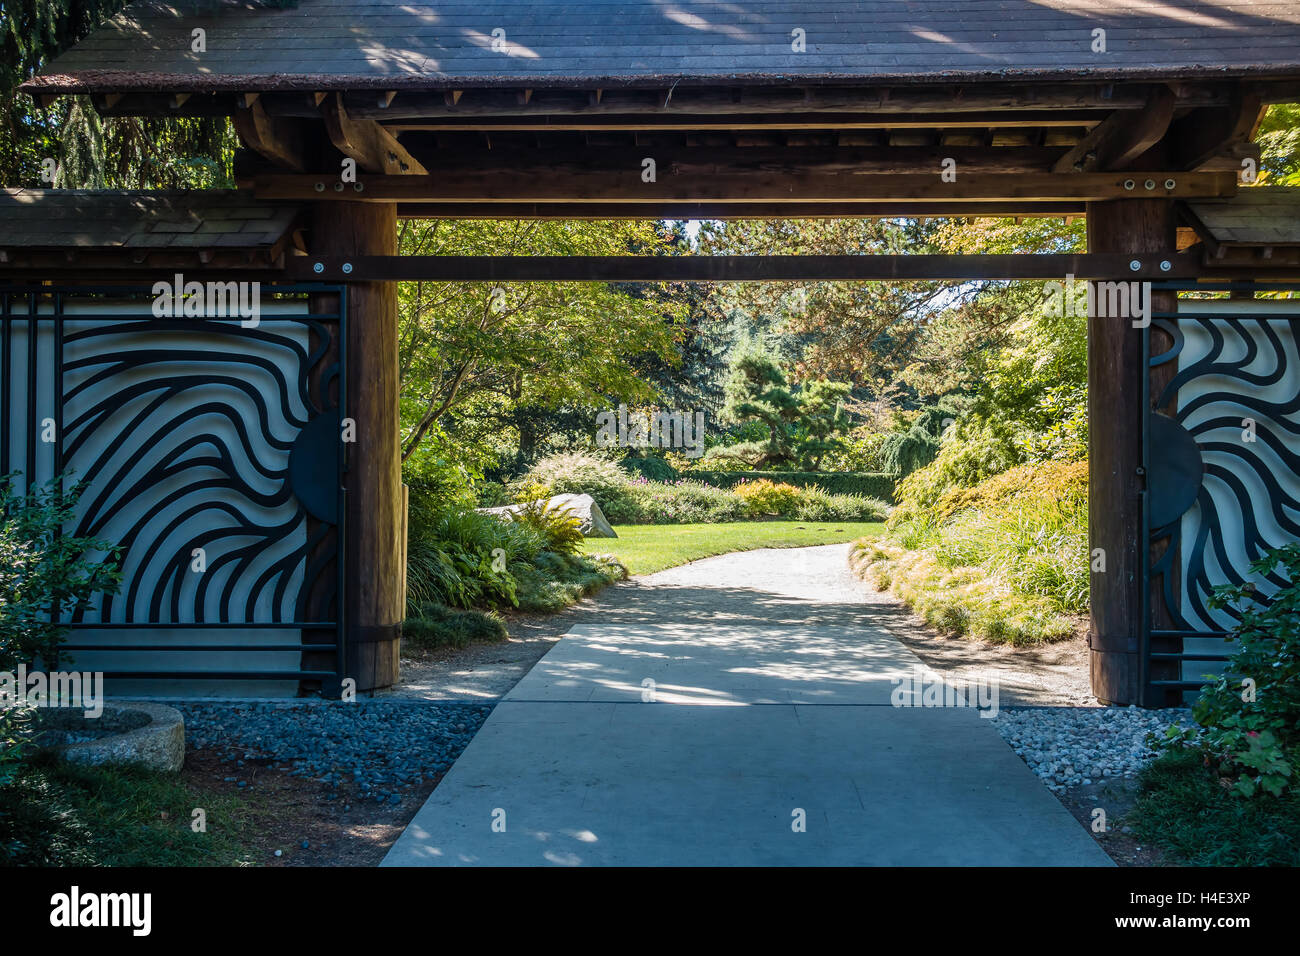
(1069, 746)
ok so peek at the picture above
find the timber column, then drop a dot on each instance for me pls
(1117, 366)
(373, 528)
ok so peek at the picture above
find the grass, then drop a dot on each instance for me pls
(1183, 810)
(58, 814)
(644, 549)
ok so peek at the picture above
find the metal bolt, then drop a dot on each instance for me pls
(1151, 184)
(318, 268)
(338, 187)
(347, 268)
(358, 186)
(320, 187)
(1165, 265)
(1129, 184)
(1135, 264)
(1170, 184)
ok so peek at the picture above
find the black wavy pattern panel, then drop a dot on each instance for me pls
(1247, 371)
(181, 431)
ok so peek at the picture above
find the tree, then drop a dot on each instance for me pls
(500, 367)
(801, 425)
(91, 152)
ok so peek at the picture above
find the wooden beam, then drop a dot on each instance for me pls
(785, 121)
(372, 525)
(374, 148)
(279, 140)
(669, 210)
(1206, 135)
(956, 268)
(1117, 371)
(1123, 137)
(627, 186)
(738, 160)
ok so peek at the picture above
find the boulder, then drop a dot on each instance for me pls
(591, 520)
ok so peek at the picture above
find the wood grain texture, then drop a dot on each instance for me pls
(395, 45)
(1117, 365)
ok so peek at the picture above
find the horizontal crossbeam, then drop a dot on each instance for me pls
(624, 186)
(741, 268)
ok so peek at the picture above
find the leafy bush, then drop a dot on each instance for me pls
(974, 450)
(42, 569)
(869, 484)
(554, 523)
(1251, 732)
(763, 497)
(491, 494)
(817, 504)
(555, 581)
(1005, 560)
(435, 625)
(576, 473)
(651, 467)
(681, 502)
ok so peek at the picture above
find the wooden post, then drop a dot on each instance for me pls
(373, 545)
(1144, 229)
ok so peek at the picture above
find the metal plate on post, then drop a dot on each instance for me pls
(1174, 472)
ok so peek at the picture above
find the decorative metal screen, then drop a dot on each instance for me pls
(209, 453)
(1222, 460)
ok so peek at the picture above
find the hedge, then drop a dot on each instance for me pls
(869, 483)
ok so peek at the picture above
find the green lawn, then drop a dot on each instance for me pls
(646, 548)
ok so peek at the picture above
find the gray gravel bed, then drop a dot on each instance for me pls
(380, 747)
(1068, 746)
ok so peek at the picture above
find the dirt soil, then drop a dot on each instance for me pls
(286, 810)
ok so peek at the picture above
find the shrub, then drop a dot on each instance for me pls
(869, 484)
(763, 497)
(1251, 733)
(557, 580)
(1005, 560)
(682, 502)
(42, 568)
(435, 625)
(576, 473)
(557, 526)
(650, 467)
(491, 494)
(817, 504)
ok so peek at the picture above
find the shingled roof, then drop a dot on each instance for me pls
(87, 219)
(58, 228)
(394, 44)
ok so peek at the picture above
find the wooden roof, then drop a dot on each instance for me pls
(44, 230)
(88, 219)
(1263, 216)
(326, 45)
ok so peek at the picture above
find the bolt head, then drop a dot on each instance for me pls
(1135, 265)
(1150, 184)
(318, 268)
(320, 187)
(1165, 265)
(347, 268)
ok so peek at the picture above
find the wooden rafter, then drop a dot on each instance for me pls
(374, 148)
(1123, 137)
(277, 139)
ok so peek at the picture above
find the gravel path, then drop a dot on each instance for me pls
(1069, 746)
(382, 747)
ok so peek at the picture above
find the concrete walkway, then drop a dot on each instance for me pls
(771, 674)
